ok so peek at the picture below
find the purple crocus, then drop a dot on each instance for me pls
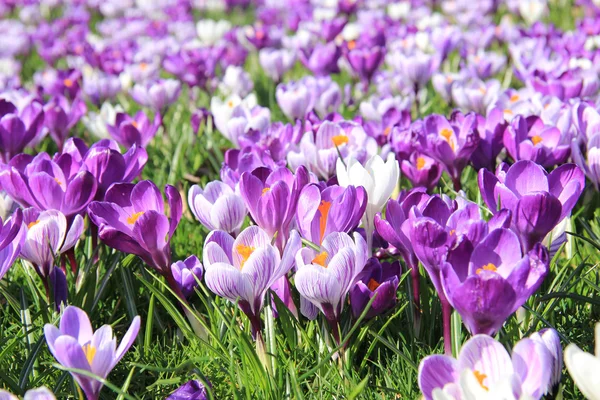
(491, 284)
(365, 61)
(185, 274)
(562, 84)
(452, 142)
(44, 184)
(530, 139)
(138, 130)
(12, 236)
(75, 345)
(271, 198)
(585, 149)
(422, 170)
(332, 209)
(276, 62)
(322, 59)
(132, 219)
(18, 128)
(191, 390)
(538, 201)
(61, 116)
(157, 95)
(217, 207)
(238, 161)
(294, 99)
(484, 367)
(325, 277)
(243, 269)
(379, 280)
(491, 132)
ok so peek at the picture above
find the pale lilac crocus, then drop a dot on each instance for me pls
(11, 240)
(217, 207)
(186, 273)
(75, 345)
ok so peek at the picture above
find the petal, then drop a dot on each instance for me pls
(525, 177)
(533, 363)
(76, 323)
(583, 368)
(484, 354)
(436, 371)
(127, 339)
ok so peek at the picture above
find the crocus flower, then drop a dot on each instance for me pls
(416, 68)
(217, 207)
(379, 179)
(322, 59)
(96, 123)
(236, 81)
(474, 94)
(48, 235)
(185, 274)
(485, 370)
(18, 129)
(75, 345)
(421, 170)
(138, 130)
(538, 201)
(585, 149)
(44, 184)
(497, 280)
(452, 142)
(272, 197)
(246, 121)
(243, 269)
(530, 139)
(583, 366)
(562, 84)
(365, 61)
(294, 99)
(157, 95)
(276, 62)
(104, 161)
(61, 116)
(222, 110)
(491, 132)
(132, 219)
(247, 159)
(379, 280)
(41, 393)
(325, 277)
(191, 390)
(332, 209)
(12, 236)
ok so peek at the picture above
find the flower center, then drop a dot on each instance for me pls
(134, 217)
(536, 139)
(245, 252)
(373, 284)
(480, 378)
(387, 131)
(143, 66)
(324, 210)
(339, 140)
(230, 103)
(487, 267)
(320, 259)
(508, 111)
(420, 163)
(352, 45)
(90, 352)
(68, 82)
(34, 223)
(135, 124)
(482, 90)
(266, 190)
(514, 97)
(58, 181)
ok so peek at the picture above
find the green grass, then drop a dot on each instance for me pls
(382, 355)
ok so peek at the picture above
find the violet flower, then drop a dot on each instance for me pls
(379, 280)
(191, 390)
(217, 207)
(138, 130)
(12, 236)
(157, 95)
(185, 274)
(18, 128)
(61, 116)
(75, 345)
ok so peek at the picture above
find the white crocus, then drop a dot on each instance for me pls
(222, 110)
(96, 122)
(210, 31)
(379, 179)
(532, 10)
(472, 388)
(584, 368)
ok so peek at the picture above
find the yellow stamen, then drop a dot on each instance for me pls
(90, 352)
(514, 97)
(487, 267)
(143, 66)
(324, 210)
(57, 181)
(482, 90)
(508, 111)
(134, 217)
(68, 82)
(373, 284)
(352, 45)
(480, 378)
(265, 190)
(320, 259)
(452, 232)
(420, 163)
(449, 79)
(339, 140)
(447, 134)
(536, 139)
(29, 225)
(245, 252)
(387, 131)
(230, 103)
(135, 124)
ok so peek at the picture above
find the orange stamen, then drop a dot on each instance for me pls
(339, 140)
(320, 259)
(90, 352)
(68, 82)
(387, 131)
(480, 378)
(373, 284)
(265, 190)
(487, 267)
(536, 139)
(420, 163)
(514, 97)
(57, 181)
(352, 45)
(324, 210)
(447, 134)
(134, 217)
(143, 66)
(245, 252)
(29, 225)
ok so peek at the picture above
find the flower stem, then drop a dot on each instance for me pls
(446, 315)
(415, 277)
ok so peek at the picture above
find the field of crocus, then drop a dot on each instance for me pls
(300, 199)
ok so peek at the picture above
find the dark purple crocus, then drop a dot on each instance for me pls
(538, 201)
(247, 159)
(528, 138)
(491, 131)
(191, 390)
(272, 197)
(365, 61)
(322, 59)
(421, 170)
(44, 184)
(488, 285)
(138, 130)
(187, 273)
(332, 209)
(18, 128)
(104, 161)
(565, 85)
(61, 116)
(379, 280)
(452, 142)
(132, 219)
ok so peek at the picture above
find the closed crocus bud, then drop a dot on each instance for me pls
(294, 99)
(157, 95)
(379, 179)
(187, 273)
(191, 390)
(550, 339)
(61, 116)
(217, 207)
(276, 62)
